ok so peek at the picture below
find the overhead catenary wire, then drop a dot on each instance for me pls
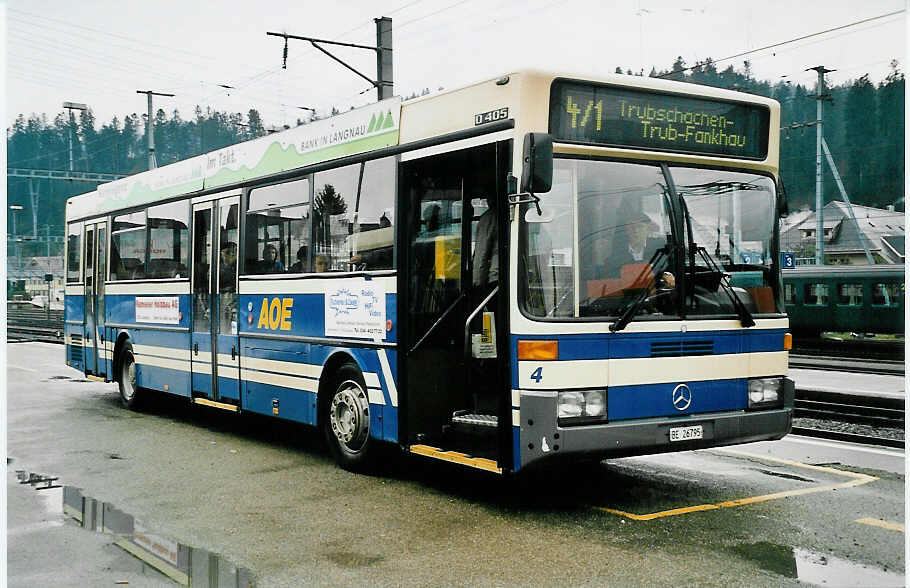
(782, 43)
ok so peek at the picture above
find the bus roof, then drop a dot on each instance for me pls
(522, 96)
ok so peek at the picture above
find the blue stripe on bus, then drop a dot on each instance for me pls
(74, 307)
(305, 315)
(655, 400)
(156, 378)
(294, 405)
(121, 308)
(383, 418)
(638, 345)
(631, 345)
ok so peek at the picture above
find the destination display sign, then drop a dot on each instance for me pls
(636, 119)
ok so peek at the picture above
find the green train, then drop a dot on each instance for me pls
(844, 299)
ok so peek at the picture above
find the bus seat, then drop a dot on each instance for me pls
(608, 287)
(763, 297)
(636, 275)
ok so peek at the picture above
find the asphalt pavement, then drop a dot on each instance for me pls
(266, 497)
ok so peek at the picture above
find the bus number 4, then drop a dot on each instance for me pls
(537, 376)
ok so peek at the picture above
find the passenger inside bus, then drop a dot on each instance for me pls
(321, 264)
(227, 267)
(300, 265)
(485, 262)
(270, 263)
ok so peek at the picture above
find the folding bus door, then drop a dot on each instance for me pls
(89, 336)
(454, 395)
(214, 338)
(95, 265)
(227, 340)
(201, 336)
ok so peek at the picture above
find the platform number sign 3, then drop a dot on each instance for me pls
(537, 375)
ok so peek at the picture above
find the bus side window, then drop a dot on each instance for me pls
(73, 252)
(373, 240)
(168, 226)
(277, 227)
(128, 246)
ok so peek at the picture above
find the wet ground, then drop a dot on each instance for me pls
(265, 497)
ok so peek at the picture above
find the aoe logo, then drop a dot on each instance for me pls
(275, 314)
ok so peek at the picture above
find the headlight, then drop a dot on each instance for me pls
(571, 404)
(764, 392)
(595, 403)
(581, 406)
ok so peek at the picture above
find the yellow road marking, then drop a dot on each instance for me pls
(856, 480)
(891, 526)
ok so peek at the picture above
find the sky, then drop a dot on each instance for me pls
(100, 52)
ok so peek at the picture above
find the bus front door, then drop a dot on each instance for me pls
(453, 394)
(215, 340)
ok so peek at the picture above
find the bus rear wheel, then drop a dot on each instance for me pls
(130, 395)
(346, 420)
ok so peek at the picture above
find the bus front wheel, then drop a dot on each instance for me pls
(129, 392)
(346, 420)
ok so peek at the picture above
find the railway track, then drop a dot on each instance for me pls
(864, 417)
(27, 324)
(848, 364)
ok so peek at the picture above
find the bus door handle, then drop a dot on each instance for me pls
(467, 323)
(195, 348)
(233, 352)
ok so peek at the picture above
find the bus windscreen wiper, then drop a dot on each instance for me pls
(745, 317)
(625, 317)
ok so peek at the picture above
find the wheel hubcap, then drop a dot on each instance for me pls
(350, 416)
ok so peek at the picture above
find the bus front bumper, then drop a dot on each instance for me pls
(543, 440)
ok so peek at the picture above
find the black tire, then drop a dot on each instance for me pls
(130, 394)
(345, 416)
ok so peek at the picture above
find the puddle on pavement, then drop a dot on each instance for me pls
(184, 564)
(817, 569)
(826, 570)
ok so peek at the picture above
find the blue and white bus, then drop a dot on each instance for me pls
(535, 268)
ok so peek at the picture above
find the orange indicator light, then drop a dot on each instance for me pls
(538, 349)
(788, 341)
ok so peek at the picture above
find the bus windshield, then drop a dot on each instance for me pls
(729, 229)
(604, 241)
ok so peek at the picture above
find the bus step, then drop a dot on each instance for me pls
(213, 404)
(456, 457)
(479, 420)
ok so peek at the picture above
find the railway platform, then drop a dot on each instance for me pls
(837, 382)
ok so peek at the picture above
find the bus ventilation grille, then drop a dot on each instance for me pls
(76, 348)
(681, 348)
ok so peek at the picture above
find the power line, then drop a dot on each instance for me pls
(853, 24)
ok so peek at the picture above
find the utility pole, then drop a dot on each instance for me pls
(384, 57)
(383, 82)
(150, 125)
(71, 106)
(820, 96)
(16, 209)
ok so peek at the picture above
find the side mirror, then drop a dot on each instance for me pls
(537, 156)
(783, 205)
